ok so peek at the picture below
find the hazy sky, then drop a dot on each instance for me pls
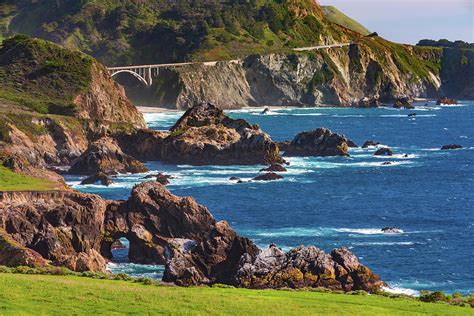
(408, 21)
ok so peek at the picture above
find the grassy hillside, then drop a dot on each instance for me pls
(127, 31)
(42, 76)
(58, 295)
(11, 181)
(336, 16)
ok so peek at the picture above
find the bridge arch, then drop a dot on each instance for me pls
(133, 73)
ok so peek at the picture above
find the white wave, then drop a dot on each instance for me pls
(401, 290)
(452, 105)
(363, 231)
(385, 243)
(398, 156)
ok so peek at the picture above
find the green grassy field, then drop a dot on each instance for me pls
(10, 181)
(336, 16)
(71, 295)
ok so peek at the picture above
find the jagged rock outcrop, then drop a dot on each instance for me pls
(370, 143)
(100, 178)
(446, 101)
(318, 142)
(204, 135)
(384, 151)
(105, 156)
(403, 103)
(77, 230)
(305, 267)
(275, 168)
(65, 228)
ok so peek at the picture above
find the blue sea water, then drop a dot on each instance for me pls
(345, 201)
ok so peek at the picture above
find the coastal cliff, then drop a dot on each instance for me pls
(77, 230)
(53, 103)
(372, 68)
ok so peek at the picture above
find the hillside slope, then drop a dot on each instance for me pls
(52, 102)
(85, 296)
(338, 17)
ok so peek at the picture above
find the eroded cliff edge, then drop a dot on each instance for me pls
(77, 230)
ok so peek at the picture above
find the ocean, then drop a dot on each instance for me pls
(331, 202)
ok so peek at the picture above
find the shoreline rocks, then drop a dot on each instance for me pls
(105, 156)
(319, 142)
(446, 101)
(370, 143)
(403, 103)
(165, 229)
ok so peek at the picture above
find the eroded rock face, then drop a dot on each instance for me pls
(384, 151)
(105, 156)
(61, 226)
(78, 230)
(318, 142)
(446, 101)
(305, 267)
(100, 178)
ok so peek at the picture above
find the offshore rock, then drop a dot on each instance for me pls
(318, 142)
(370, 143)
(369, 102)
(451, 146)
(205, 135)
(269, 176)
(105, 156)
(304, 267)
(403, 103)
(275, 168)
(100, 177)
(446, 101)
(384, 151)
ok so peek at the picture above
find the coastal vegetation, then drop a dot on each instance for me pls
(11, 181)
(53, 294)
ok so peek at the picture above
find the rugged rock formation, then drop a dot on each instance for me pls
(384, 151)
(203, 135)
(370, 143)
(305, 267)
(392, 230)
(64, 227)
(446, 101)
(269, 176)
(105, 156)
(78, 230)
(100, 177)
(369, 102)
(403, 103)
(275, 168)
(318, 142)
(451, 146)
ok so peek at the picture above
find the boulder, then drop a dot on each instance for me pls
(446, 101)
(163, 178)
(384, 151)
(367, 102)
(411, 114)
(451, 146)
(318, 142)
(234, 179)
(275, 168)
(269, 176)
(205, 135)
(386, 163)
(105, 155)
(403, 103)
(370, 143)
(100, 177)
(304, 267)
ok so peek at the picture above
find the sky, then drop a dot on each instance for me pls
(408, 21)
